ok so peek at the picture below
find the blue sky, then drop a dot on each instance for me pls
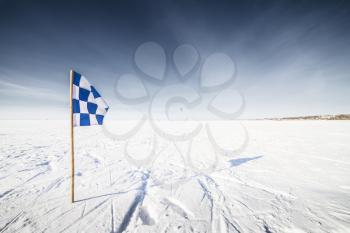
(291, 58)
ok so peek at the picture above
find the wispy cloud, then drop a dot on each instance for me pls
(14, 89)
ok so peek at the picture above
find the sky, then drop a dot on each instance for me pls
(272, 58)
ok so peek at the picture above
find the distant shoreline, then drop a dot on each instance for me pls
(315, 117)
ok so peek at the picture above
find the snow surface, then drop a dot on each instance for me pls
(293, 176)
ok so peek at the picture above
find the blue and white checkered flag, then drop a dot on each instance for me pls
(88, 106)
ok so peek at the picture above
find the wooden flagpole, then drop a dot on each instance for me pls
(71, 135)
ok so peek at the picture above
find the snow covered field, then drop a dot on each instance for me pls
(292, 176)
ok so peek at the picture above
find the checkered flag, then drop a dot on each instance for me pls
(87, 104)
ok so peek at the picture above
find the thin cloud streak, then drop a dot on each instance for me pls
(13, 89)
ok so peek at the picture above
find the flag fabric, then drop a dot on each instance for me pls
(88, 106)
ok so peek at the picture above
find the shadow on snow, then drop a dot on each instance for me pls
(240, 161)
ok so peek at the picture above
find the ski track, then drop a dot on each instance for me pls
(135, 204)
